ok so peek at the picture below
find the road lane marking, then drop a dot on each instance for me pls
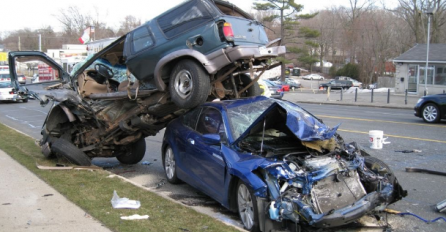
(375, 120)
(393, 114)
(396, 136)
(10, 117)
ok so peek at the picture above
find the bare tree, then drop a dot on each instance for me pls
(73, 22)
(328, 25)
(130, 22)
(353, 14)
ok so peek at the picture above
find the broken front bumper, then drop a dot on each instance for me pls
(298, 212)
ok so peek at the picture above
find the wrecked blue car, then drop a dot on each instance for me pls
(275, 164)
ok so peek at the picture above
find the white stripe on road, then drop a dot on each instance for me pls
(375, 120)
(396, 136)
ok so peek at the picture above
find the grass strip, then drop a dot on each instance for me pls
(93, 190)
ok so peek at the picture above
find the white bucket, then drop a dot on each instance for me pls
(376, 139)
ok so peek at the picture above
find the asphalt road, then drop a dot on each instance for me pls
(404, 131)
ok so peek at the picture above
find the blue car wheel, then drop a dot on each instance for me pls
(170, 167)
(247, 207)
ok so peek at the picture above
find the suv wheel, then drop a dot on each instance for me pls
(189, 84)
(134, 152)
(252, 91)
(68, 150)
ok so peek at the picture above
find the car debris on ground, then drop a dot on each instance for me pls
(124, 203)
(409, 151)
(63, 167)
(135, 217)
(423, 170)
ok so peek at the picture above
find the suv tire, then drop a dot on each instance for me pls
(72, 153)
(189, 84)
(253, 90)
(135, 152)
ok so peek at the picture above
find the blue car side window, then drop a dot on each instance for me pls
(210, 122)
(191, 117)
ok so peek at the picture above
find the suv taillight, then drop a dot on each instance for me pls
(227, 32)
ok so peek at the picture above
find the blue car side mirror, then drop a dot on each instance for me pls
(211, 139)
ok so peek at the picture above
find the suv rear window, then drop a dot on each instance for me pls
(141, 39)
(183, 18)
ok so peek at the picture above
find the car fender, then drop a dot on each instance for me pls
(211, 63)
(58, 114)
(244, 170)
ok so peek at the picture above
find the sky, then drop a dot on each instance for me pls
(35, 14)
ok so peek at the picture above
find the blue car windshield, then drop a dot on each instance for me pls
(242, 116)
(299, 122)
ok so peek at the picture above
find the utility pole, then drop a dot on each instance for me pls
(430, 12)
(40, 42)
(19, 44)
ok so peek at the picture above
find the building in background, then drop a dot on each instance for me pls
(97, 45)
(411, 66)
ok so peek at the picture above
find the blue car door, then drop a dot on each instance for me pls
(205, 160)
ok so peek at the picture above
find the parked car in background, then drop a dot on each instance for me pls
(9, 93)
(373, 86)
(293, 83)
(198, 51)
(313, 76)
(5, 77)
(283, 87)
(4, 69)
(276, 90)
(355, 82)
(431, 108)
(336, 84)
(21, 79)
(276, 164)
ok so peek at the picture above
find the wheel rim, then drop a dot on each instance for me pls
(183, 83)
(169, 162)
(430, 113)
(245, 206)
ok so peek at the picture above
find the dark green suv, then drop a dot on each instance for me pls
(198, 51)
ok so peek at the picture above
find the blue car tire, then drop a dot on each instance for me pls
(247, 207)
(169, 166)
